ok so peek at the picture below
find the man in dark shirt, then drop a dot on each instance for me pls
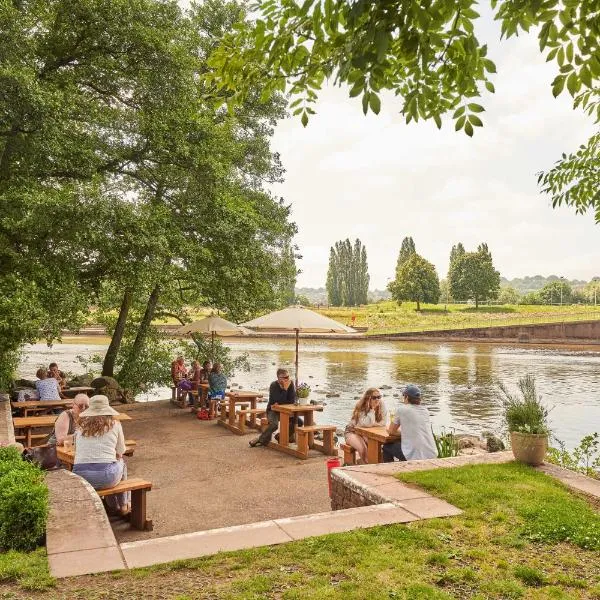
(281, 391)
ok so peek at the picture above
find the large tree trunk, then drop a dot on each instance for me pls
(138, 343)
(418, 305)
(108, 366)
(476, 302)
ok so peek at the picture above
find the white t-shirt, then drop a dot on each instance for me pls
(100, 449)
(415, 429)
(369, 419)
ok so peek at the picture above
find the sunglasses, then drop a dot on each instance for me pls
(375, 398)
(284, 377)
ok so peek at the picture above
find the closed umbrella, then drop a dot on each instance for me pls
(299, 320)
(211, 326)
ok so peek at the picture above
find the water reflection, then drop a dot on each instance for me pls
(458, 380)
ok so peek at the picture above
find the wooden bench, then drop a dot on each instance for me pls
(32, 437)
(349, 454)
(305, 439)
(138, 489)
(249, 418)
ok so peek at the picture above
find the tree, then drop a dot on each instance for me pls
(416, 281)
(557, 292)
(151, 201)
(472, 276)
(427, 54)
(456, 252)
(508, 295)
(348, 274)
(407, 249)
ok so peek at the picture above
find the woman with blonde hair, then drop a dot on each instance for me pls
(369, 412)
(99, 449)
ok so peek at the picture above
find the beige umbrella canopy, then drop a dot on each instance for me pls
(211, 326)
(300, 320)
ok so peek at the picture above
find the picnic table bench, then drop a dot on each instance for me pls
(227, 416)
(376, 437)
(26, 424)
(305, 434)
(32, 406)
(179, 397)
(138, 489)
(71, 392)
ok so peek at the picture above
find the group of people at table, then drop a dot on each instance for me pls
(188, 382)
(90, 427)
(411, 421)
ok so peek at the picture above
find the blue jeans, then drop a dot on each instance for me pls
(391, 451)
(105, 475)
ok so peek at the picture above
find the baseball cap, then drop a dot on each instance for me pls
(412, 391)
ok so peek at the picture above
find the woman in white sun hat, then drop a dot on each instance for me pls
(99, 448)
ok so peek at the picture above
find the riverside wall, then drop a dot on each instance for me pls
(575, 332)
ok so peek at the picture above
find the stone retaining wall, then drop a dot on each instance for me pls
(7, 431)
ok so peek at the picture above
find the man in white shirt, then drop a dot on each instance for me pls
(413, 422)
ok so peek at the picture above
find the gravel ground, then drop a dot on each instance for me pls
(205, 477)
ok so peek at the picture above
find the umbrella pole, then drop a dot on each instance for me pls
(297, 336)
(212, 346)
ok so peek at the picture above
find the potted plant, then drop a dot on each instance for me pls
(302, 393)
(526, 419)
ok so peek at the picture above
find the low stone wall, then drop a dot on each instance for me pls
(79, 538)
(7, 431)
(575, 332)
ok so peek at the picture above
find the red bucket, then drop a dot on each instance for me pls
(332, 463)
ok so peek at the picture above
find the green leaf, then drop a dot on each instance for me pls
(475, 120)
(459, 111)
(438, 120)
(490, 87)
(573, 83)
(460, 123)
(469, 129)
(476, 108)
(304, 119)
(558, 85)
(357, 89)
(382, 43)
(374, 103)
(365, 102)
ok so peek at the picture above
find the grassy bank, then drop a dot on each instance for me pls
(389, 317)
(522, 535)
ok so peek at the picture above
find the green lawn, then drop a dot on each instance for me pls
(389, 317)
(522, 535)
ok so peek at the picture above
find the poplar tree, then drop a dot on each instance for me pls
(348, 274)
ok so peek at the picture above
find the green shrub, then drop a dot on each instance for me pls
(23, 502)
(446, 444)
(525, 414)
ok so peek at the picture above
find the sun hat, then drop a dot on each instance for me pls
(412, 391)
(99, 407)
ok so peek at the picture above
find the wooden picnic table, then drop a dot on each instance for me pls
(376, 437)
(67, 455)
(29, 423)
(71, 392)
(287, 411)
(227, 417)
(28, 406)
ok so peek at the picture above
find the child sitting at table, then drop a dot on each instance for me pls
(369, 412)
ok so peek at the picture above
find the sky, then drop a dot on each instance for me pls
(380, 180)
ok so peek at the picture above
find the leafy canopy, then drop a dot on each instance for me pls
(425, 52)
(416, 281)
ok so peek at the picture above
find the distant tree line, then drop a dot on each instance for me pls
(348, 274)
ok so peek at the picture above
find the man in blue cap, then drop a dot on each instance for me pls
(414, 425)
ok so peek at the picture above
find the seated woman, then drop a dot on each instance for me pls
(187, 386)
(217, 380)
(66, 424)
(178, 370)
(368, 412)
(205, 372)
(99, 448)
(47, 387)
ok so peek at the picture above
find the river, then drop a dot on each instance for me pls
(458, 379)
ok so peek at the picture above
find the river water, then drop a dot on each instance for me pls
(458, 379)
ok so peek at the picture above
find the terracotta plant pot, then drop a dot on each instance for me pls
(529, 448)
